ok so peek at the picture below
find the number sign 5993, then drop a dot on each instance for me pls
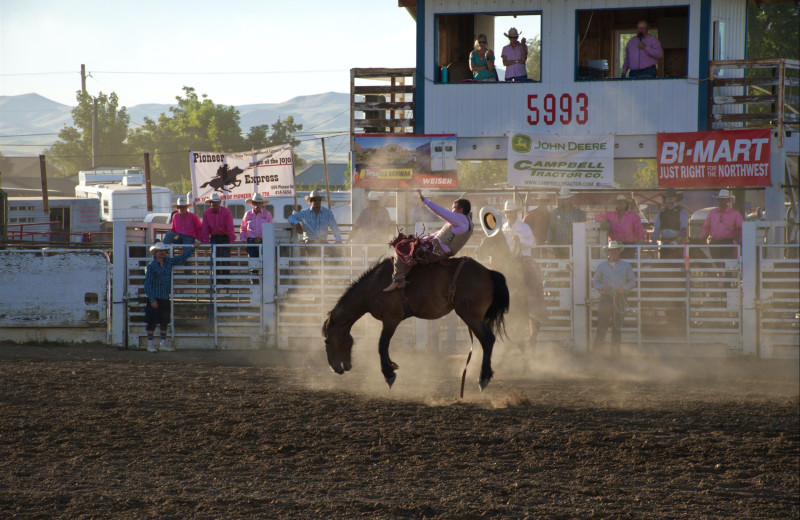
(558, 109)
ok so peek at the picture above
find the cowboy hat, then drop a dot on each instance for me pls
(182, 202)
(564, 193)
(159, 246)
(510, 206)
(672, 192)
(615, 245)
(215, 197)
(723, 194)
(315, 194)
(512, 33)
(256, 198)
(621, 198)
(491, 220)
(373, 195)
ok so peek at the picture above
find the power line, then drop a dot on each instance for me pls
(25, 135)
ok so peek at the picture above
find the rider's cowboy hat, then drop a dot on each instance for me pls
(672, 192)
(373, 195)
(159, 246)
(723, 194)
(512, 33)
(182, 202)
(564, 193)
(510, 206)
(491, 220)
(615, 245)
(256, 198)
(215, 197)
(315, 194)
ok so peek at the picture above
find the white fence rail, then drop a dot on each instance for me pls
(748, 305)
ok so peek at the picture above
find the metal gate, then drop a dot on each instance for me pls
(675, 309)
(216, 302)
(779, 300)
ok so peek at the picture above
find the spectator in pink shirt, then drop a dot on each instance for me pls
(185, 226)
(723, 225)
(642, 53)
(623, 226)
(250, 231)
(218, 226)
(515, 55)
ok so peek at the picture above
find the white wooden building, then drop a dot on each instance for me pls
(577, 88)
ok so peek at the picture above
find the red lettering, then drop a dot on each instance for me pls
(533, 120)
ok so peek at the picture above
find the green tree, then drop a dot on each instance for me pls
(476, 175)
(196, 123)
(646, 175)
(73, 150)
(772, 31)
(534, 62)
(282, 133)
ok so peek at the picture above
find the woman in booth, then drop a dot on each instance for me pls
(481, 61)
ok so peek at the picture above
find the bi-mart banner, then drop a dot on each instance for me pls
(552, 161)
(717, 159)
(405, 161)
(239, 175)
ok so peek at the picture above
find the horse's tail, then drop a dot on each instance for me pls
(495, 314)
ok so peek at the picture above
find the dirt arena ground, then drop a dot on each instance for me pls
(94, 432)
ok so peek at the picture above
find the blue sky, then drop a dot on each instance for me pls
(238, 52)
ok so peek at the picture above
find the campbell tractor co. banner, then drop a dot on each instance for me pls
(407, 161)
(718, 159)
(239, 175)
(552, 161)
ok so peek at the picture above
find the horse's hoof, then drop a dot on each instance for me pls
(390, 380)
(483, 383)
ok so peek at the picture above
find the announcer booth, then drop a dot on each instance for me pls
(708, 119)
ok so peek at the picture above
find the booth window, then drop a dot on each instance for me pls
(456, 35)
(602, 35)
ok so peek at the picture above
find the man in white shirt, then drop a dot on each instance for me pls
(520, 240)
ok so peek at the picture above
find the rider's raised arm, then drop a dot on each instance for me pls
(458, 221)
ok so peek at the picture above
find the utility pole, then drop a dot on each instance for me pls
(325, 165)
(43, 172)
(148, 188)
(83, 78)
(94, 127)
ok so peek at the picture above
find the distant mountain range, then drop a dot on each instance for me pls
(28, 114)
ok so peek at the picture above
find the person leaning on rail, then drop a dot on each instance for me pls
(723, 225)
(623, 225)
(559, 228)
(217, 226)
(671, 226)
(157, 284)
(186, 227)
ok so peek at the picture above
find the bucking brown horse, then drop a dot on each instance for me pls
(478, 295)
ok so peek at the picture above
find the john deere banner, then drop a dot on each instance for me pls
(239, 175)
(407, 161)
(552, 161)
(718, 159)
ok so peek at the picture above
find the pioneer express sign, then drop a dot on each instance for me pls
(718, 159)
(269, 171)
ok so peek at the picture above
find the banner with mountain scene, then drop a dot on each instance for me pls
(239, 175)
(405, 161)
(552, 161)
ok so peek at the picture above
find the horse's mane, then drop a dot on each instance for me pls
(363, 276)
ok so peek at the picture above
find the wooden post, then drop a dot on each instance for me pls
(325, 165)
(43, 170)
(147, 187)
(94, 128)
(83, 78)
